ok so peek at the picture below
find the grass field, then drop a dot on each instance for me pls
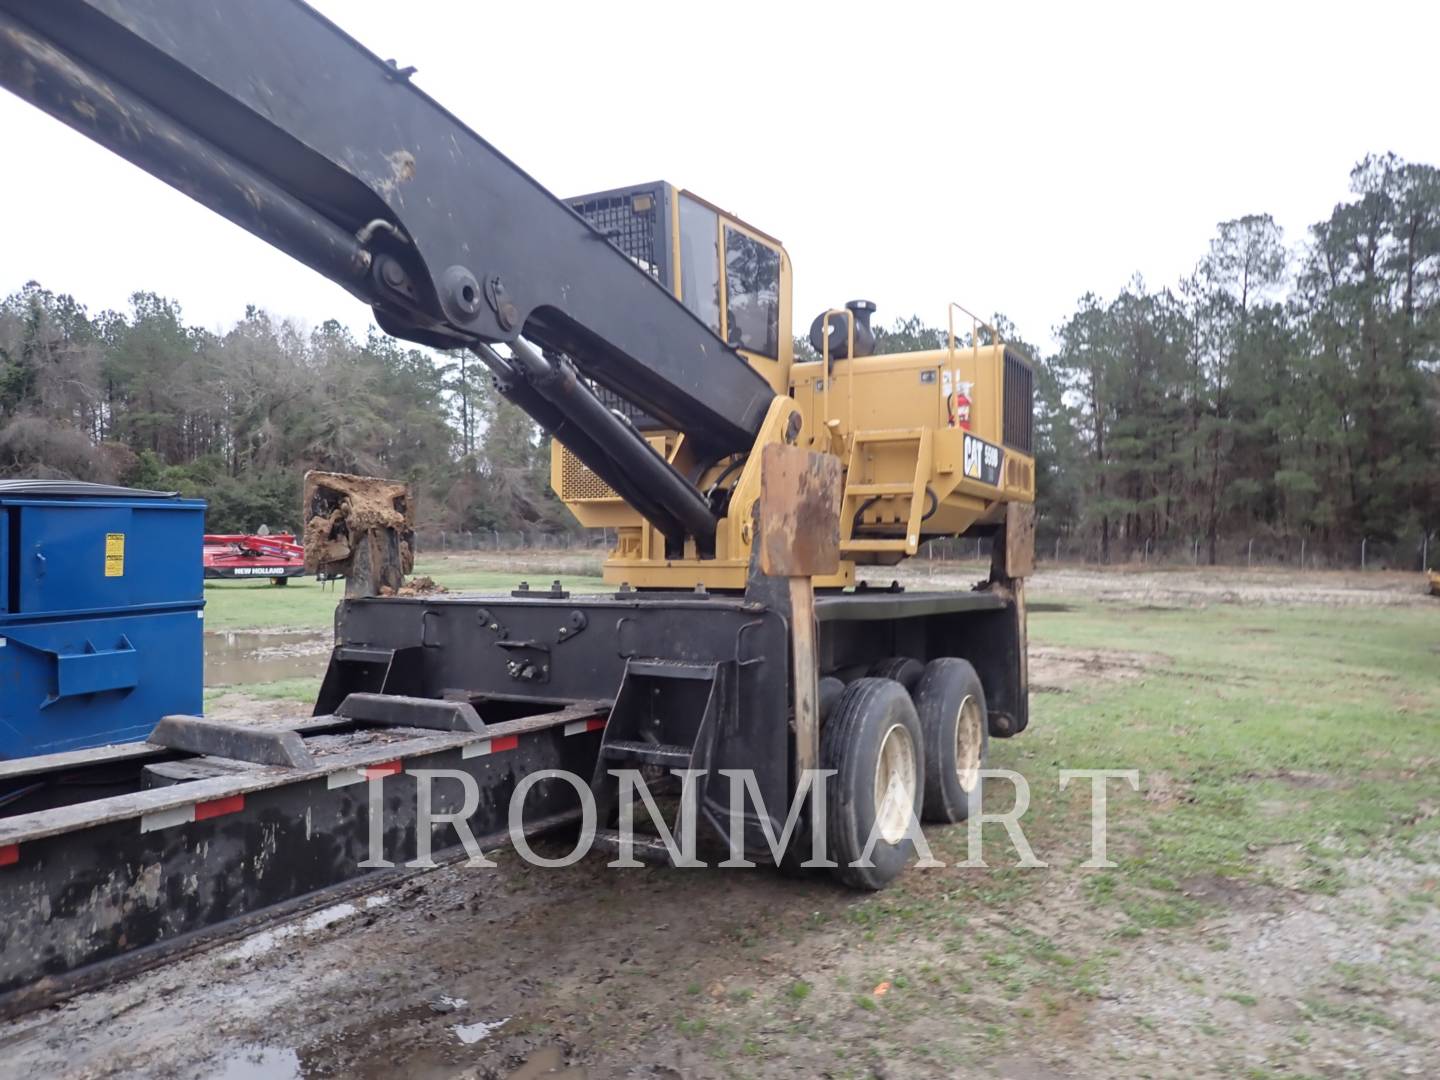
(1289, 765)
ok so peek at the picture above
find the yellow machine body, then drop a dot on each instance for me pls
(932, 443)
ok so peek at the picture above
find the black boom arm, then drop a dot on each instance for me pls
(268, 113)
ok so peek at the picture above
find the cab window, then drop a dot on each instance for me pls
(700, 261)
(752, 294)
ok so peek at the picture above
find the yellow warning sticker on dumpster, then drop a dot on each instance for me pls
(114, 554)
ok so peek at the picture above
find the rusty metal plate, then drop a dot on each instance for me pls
(1019, 539)
(799, 512)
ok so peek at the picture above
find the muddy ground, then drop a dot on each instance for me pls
(518, 971)
(469, 974)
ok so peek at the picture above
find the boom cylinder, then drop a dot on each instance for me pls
(630, 459)
(523, 394)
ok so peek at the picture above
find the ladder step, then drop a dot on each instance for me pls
(672, 669)
(648, 752)
(889, 435)
(907, 488)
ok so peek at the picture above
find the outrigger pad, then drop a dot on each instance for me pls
(240, 742)
(799, 512)
(394, 710)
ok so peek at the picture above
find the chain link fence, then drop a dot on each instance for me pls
(1295, 553)
(437, 541)
(1292, 553)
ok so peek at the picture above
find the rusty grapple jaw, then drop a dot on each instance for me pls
(361, 528)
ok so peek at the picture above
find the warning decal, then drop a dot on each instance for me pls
(114, 554)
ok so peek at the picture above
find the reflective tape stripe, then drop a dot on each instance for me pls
(165, 819)
(184, 815)
(580, 727)
(344, 778)
(490, 746)
(9, 854)
(219, 807)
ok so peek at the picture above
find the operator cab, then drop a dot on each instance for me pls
(731, 276)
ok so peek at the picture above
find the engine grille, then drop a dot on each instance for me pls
(578, 483)
(631, 221)
(1018, 429)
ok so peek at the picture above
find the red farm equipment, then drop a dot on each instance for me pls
(277, 557)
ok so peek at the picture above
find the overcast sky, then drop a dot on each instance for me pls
(1008, 156)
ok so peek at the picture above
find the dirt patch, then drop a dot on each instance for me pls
(419, 586)
(1180, 589)
(1164, 791)
(1309, 984)
(1231, 894)
(1298, 778)
(1053, 668)
(240, 707)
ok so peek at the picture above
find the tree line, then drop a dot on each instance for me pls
(1288, 393)
(141, 398)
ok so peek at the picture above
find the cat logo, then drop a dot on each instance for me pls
(982, 460)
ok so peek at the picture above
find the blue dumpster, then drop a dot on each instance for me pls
(101, 608)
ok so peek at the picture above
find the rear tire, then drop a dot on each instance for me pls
(902, 669)
(829, 691)
(281, 580)
(874, 743)
(950, 703)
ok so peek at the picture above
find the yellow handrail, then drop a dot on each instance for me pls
(975, 323)
(850, 380)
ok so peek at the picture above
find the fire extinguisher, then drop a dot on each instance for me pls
(960, 407)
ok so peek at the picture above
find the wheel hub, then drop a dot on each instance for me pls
(968, 741)
(896, 781)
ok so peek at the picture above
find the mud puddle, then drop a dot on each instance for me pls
(259, 1063)
(242, 659)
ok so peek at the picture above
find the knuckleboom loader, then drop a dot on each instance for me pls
(753, 494)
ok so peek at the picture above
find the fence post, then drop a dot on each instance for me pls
(1250, 553)
(1425, 552)
(1363, 541)
(1146, 557)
